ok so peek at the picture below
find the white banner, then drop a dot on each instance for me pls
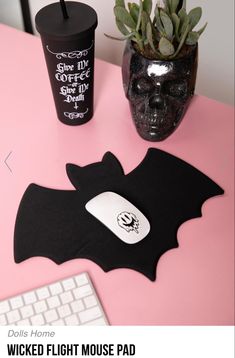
(137, 342)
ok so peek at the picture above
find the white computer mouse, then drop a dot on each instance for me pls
(120, 216)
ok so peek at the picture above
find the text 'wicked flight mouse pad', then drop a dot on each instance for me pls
(113, 219)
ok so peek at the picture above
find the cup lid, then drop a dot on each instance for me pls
(81, 22)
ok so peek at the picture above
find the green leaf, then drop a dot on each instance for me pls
(174, 5)
(122, 28)
(182, 41)
(139, 40)
(165, 47)
(139, 16)
(176, 23)
(202, 29)
(123, 16)
(150, 36)
(192, 38)
(131, 34)
(194, 16)
(120, 3)
(168, 3)
(167, 24)
(184, 26)
(144, 22)
(182, 14)
(147, 6)
(166, 6)
(134, 11)
(159, 25)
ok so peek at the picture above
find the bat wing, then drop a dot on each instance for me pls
(46, 222)
(169, 192)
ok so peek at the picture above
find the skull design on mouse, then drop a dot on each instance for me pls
(128, 221)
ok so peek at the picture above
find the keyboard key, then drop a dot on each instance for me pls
(68, 284)
(4, 307)
(37, 320)
(66, 297)
(3, 320)
(72, 320)
(51, 316)
(40, 306)
(29, 298)
(83, 291)
(90, 301)
(27, 311)
(64, 311)
(81, 279)
(59, 322)
(53, 302)
(77, 306)
(90, 314)
(56, 288)
(97, 322)
(24, 322)
(43, 293)
(16, 302)
(13, 316)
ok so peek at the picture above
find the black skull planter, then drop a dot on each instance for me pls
(159, 91)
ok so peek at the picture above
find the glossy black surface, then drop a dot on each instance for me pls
(159, 92)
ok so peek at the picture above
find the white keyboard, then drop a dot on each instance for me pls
(69, 302)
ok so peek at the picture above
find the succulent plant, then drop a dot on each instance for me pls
(163, 35)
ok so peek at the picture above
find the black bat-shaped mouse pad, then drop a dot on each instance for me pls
(61, 224)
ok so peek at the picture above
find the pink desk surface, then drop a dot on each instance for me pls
(195, 281)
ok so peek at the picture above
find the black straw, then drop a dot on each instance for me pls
(26, 16)
(64, 9)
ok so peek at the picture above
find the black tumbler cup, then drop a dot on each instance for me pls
(68, 39)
